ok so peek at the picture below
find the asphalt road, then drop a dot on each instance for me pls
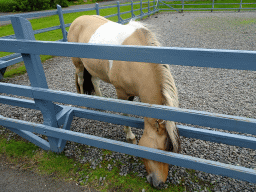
(15, 178)
(66, 8)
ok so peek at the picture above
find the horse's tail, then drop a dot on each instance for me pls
(87, 85)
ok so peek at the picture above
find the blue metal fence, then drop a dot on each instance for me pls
(15, 58)
(183, 5)
(57, 115)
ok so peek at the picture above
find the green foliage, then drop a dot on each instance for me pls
(20, 148)
(62, 3)
(7, 6)
(32, 5)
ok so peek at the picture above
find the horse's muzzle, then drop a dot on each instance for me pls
(152, 179)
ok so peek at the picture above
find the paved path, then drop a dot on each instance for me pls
(66, 8)
(15, 179)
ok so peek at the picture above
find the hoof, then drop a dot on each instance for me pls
(132, 141)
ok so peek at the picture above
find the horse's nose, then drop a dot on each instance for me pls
(152, 179)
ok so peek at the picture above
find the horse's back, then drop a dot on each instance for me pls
(84, 27)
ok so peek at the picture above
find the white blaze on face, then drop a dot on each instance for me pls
(112, 33)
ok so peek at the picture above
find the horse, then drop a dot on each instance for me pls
(152, 83)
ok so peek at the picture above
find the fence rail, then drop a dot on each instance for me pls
(182, 6)
(4, 62)
(28, 49)
(150, 10)
(57, 115)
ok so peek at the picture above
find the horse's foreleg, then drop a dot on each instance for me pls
(130, 137)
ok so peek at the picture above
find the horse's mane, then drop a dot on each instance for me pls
(169, 90)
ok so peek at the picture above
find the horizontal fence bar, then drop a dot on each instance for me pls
(216, 58)
(189, 132)
(10, 62)
(77, 10)
(25, 103)
(208, 166)
(46, 29)
(202, 118)
(29, 15)
(8, 37)
(113, 15)
(217, 137)
(8, 57)
(207, 8)
(125, 12)
(106, 7)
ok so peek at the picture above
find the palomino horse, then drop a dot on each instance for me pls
(153, 83)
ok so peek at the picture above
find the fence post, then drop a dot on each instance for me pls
(2, 71)
(240, 5)
(148, 7)
(97, 9)
(62, 23)
(141, 12)
(23, 30)
(132, 13)
(212, 5)
(182, 6)
(118, 12)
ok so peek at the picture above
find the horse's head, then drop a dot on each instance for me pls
(156, 135)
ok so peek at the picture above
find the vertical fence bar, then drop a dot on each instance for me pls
(141, 12)
(154, 7)
(240, 5)
(148, 6)
(2, 71)
(97, 9)
(62, 23)
(132, 13)
(118, 12)
(212, 5)
(23, 30)
(182, 6)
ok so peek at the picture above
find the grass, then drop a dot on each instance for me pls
(55, 35)
(30, 157)
(199, 2)
(26, 155)
(69, 18)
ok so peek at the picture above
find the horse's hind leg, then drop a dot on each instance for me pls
(96, 85)
(79, 76)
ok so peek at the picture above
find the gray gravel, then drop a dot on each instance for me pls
(223, 91)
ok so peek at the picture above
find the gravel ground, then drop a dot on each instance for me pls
(230, 92)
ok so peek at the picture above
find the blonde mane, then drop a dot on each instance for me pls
(168, 88)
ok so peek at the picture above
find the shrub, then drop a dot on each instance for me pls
(32, 5)
(37, 5)
(7, 6)
(62, 3)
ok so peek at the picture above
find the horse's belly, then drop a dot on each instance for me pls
(97, 68)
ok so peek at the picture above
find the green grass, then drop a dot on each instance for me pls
(51, 21)
(28, 156)
(199, 2)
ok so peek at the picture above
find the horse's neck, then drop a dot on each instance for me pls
(150, 85)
